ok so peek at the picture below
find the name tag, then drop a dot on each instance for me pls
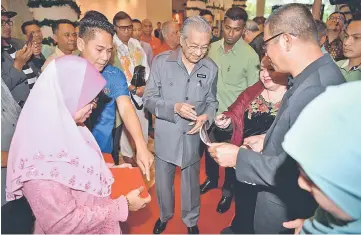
(200, 75)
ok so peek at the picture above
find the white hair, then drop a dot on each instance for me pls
(196, 22)
(252, 26)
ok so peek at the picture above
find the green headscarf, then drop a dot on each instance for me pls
(326, 141)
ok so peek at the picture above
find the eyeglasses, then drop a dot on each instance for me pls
(336, 18)
(7, 22)
(124, 28)
(195, 48)
(265, 43)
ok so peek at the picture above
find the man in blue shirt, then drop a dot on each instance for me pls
(95, 43)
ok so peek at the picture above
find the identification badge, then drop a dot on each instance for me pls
(200, 75)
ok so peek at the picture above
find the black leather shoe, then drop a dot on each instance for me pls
(224, 204)
(193, 230)
(159, 227)
(208, 185)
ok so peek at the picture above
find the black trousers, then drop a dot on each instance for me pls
(117, 132)
(212, 167)
(245, 204)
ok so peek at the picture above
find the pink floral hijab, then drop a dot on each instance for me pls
(47, 144)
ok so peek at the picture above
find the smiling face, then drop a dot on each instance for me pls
(195, 46)
(98, 49)
(271, 79)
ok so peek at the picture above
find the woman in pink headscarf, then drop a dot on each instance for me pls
(55, 162)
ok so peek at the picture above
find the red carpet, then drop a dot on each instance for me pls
(210, 221)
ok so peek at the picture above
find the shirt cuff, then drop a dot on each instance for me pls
(121, 209)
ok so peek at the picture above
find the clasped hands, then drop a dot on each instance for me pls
(225, 154)
(187, 111)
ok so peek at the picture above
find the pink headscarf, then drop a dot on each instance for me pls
(47, 143)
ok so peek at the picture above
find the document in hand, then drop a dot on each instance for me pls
(204, 135)
(125, 180)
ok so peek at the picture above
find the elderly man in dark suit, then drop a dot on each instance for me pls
(291, 43)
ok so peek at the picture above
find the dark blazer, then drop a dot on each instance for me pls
(14, 79)
(281, 199)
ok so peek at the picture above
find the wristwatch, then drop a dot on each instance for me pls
(134, 91)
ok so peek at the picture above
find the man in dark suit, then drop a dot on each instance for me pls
(291, 43)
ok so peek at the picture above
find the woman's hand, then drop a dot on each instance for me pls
(255, 142)
(135, 201)
(222, 121)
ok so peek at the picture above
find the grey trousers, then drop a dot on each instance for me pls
(190, 191)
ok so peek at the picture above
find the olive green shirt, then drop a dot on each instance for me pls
(350, 75)
(237, 70)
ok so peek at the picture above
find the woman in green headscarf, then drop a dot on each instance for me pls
(326, 142)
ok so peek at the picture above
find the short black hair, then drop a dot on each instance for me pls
(95, 14)
(76, 24)
(236, 13)
(136, 21)
(206, 12)
(121, 16)
(259, 19)
(159, 22)
(89, 25)
(27, 23)
(55, 26)
(293, 18)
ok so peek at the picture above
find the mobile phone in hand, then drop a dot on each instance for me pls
(30, 39)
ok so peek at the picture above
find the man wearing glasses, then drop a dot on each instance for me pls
(17, 69)
(238, 69)
(291, 43)
(181, 93)
(130, 54)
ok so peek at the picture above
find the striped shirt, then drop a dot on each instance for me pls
(31, 77)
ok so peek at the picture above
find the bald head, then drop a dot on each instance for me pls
(293, 18)
(147, 27)
(171, 33)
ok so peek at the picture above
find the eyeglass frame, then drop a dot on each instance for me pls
(265, 43)
(7, 22)
(193, 49)
(124, 28)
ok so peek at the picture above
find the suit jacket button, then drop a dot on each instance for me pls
(184, 133)
(187, 98)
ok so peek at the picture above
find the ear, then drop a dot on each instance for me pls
(55, 38)
(286, 42)
(81, 44)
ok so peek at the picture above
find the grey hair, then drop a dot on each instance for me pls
(252, 26)
(196, 22)
(167, 26)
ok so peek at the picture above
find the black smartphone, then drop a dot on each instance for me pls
(30, 39)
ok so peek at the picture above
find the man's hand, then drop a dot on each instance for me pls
(198, 124)
(224, 154)
(222, 121)
(36, 48)
(185, 111)
(22, 56)
(294, 224)
(255, 142)
(145, 160)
